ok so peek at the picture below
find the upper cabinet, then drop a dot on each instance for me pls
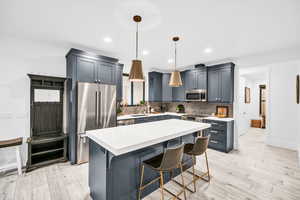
(86, 69)
(216, 80)
(106, 73)
(196, 78)
(220, 80)
(155, 86)
(89, 67)
(201, 77)
(166, 89)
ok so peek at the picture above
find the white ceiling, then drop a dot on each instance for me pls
(232, 28)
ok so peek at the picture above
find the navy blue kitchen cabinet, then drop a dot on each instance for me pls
(119, 81)
(155, 86)
(220, 83)
(86, 67)
(190, 79)
(178, 93)
(201, 78)
(166, 89)
(221, 135)
(196, 79)
(106, 73)
(154, 118)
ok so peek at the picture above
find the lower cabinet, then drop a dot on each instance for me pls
(221, 135)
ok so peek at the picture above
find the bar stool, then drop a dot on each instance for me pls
(164, 162)
(194, 150)
(14, 143)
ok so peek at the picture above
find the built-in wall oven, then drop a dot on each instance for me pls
(196, 95)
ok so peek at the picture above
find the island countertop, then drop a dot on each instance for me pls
(125, 139)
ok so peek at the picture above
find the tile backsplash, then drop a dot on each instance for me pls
(193, 107)
(190, 107)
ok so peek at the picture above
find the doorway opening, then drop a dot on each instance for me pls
(253, 87)
(262, 105)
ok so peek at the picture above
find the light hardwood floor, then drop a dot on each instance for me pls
(256, 171)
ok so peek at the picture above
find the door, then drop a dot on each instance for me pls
(201, 79)
(106, 73)
(107, 113)
(213, 90)
(190, 77)
(86, 116)
(86, 70)
(226, 85)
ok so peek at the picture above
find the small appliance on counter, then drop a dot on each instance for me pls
(222, 111)
(180, 109)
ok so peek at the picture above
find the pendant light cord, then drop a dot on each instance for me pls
(137, 41)
(175, 55)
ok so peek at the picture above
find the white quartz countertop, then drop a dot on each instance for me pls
(219, 119)
(125, 117)
(123, 139)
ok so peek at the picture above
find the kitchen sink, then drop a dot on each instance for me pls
(138, 115)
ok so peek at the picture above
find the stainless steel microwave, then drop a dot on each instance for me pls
(196, 95)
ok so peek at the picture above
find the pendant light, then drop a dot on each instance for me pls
(136, 71)
(175, 80)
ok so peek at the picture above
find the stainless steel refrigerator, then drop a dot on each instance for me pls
(96, 109)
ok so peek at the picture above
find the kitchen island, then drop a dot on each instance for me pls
(116, 155)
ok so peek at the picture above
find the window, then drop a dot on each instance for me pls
(44, 95)
(133, 92)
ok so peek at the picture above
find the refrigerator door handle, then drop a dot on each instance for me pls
(96, 110)
(99, 109)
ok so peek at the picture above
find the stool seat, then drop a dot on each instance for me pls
(154, 162)
(188, 149)
(17, 142)
(11, 142)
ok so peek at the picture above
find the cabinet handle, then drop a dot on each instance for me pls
(214, 141)
(213, 131)
(214, 123)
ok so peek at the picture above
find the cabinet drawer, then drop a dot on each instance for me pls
(216, 133)
(216, 144)
(216, 125)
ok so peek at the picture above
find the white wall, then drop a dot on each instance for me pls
(18, 57)
(283, 114)
(283, 111)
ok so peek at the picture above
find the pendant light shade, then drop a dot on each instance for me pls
(136, 71)
(175, 79)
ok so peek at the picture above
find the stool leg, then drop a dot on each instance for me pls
(141, 183)
(207, 167)
(162, 185)
(181, 173)
(194, 177)
(19, 160)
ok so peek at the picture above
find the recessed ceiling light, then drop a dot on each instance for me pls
(145, 52)
(208, 50)
(107, 39)
(170, 60)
